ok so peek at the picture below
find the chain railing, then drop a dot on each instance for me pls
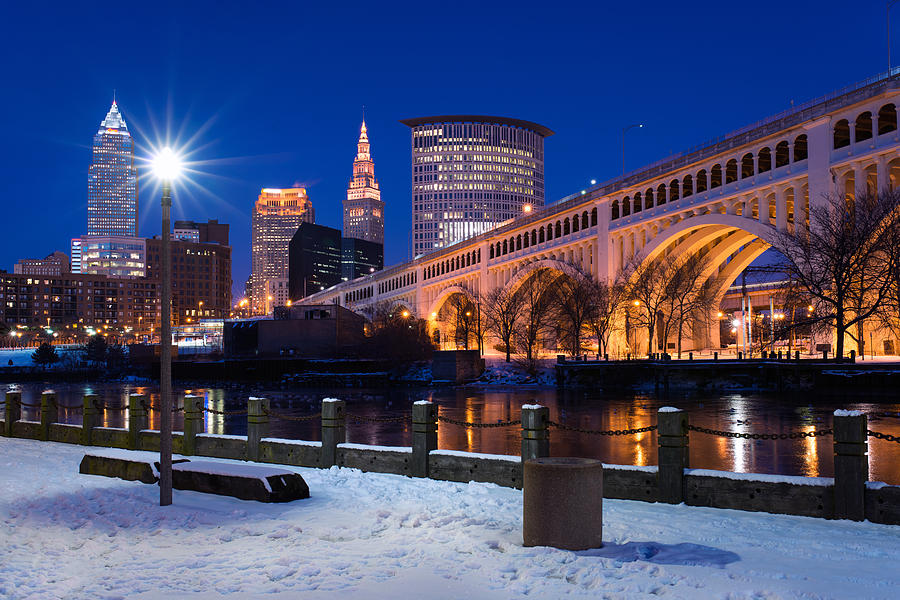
(610, 432)
(364, 419)
(150, 407)
(66, 406)
(100, 406)
(276, 415)
(479, 425)
(761, 436)
(883, 436)
(224, 413)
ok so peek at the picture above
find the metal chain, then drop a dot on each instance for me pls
(227, 413)
(149, 407)
(27, 405)
(478, 425)
(761, 436)
(602, 432)
(883, 436)
(100, 406)
(402, 419)
(285, 417)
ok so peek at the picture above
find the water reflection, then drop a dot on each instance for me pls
(810, 456)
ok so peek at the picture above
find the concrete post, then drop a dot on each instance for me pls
(257, 425)
(851, 465)
(672, 437)
(193, 424)
(424, 428)
(88, 418)
(334, 429)
(137, 420)
(13, 409)
(535, 432)
(48, 413)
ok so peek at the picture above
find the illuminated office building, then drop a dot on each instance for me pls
(363, 208)
(113, 180)
(115, 256)
(276, 216)
(471, 172)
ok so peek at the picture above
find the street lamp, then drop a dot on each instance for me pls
(167, 167)
(624, 131)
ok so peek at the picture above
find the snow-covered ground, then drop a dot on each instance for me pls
(373, 536)
(499, 372)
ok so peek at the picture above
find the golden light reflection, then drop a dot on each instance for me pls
(810, 454)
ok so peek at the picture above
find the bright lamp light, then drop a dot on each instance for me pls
(167, 165)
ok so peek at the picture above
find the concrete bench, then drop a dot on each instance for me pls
(247, 482)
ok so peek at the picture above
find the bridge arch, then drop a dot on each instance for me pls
(551, 264)
(438, 303)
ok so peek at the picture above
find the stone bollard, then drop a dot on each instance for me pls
(715, 356)
(193, 423)
(88, 418)
(562, 503)
(535, 432)
(334, 430)
(672, 437)
(606, 357)
(690, 356)
(13, 410)
(740, 355)
(824, 354)
(851, 465)
(853, 356)
(257, 425)
(424, 438)
(48, 413)
(137, 420)
(797, 355)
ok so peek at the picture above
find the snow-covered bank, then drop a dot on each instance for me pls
(65, 535)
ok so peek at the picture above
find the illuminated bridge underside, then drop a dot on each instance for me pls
(728, 199)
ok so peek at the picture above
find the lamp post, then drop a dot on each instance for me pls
(166, 166)
(624, 131)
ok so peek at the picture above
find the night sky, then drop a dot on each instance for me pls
(271, 94)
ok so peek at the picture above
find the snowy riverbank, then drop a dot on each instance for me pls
(65, 535)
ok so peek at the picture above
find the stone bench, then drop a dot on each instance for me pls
(244, 481)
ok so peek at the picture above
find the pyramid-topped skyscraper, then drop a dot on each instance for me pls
(112, 179)
(363, 208)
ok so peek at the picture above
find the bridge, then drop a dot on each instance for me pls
(727, 198)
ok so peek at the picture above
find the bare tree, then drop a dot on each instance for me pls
(575, 302)
(606, 300)
(646, 290)
(502, 309)
(464, 315)
(537, 308)
(844, 263)
(688, 295)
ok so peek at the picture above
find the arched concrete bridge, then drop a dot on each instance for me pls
(727, 198)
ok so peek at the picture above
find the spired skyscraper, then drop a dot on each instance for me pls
(363, 208)
(112, 180)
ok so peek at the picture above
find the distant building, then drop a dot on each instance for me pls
(211, 232)
(79, 301)
(75, 265)
(277, 293)
(470, 173)
(320, 331)
(111, 255)
(363, 208)
(276, 216)
(359, 257)
(201, 279)
(54, 264)
(112, 180)
(315, 259)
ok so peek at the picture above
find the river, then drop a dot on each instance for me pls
(747, 413)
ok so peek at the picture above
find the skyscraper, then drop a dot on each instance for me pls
(112, 179)
(363, 208)
(471, 172)
(276, 216)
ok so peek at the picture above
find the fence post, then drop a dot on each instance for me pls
(48, 413)
(715, 356)
(851, 465)
(193, 424)
(88, 418)
(257, 425)
(672, 437)
(424, 429)
(137, 419)
(334, 429)
(13, 410)
(535, 432)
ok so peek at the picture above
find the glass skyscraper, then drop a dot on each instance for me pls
(112, 180)
(470, 173)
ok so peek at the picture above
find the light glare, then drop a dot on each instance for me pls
(167, 165)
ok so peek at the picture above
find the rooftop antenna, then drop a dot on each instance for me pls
(364, 113)
(114, 95)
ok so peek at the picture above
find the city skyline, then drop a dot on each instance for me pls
(277, 139)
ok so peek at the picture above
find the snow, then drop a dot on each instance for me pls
(765, 477)
(847, 413)
(348, 446)
(378, 537)
(245, 470)
(223, 436)
(645, 469)
(421, 402)
(531, 406)
(330, 400)
(292, 442)
(668, 409)
(506, 457)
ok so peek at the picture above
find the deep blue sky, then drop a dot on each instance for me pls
(274, 90)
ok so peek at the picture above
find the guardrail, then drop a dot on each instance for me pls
(849, 495)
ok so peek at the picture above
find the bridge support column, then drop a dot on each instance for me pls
(780, 209)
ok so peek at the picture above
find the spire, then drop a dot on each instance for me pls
(363, 135)
(114, 120)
